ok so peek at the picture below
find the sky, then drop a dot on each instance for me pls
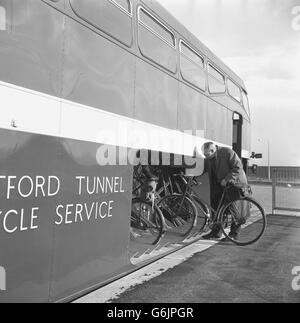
(260, 41)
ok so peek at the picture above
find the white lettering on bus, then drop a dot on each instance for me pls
(59, 215)
(21, 222)
(5, 219)
(40, 185)
(89, 213)
(28, 186)
(100, 210)
(71, 213)
(80, 178)
(110, 207)
(68, 212)
(2, 278)
(53, 179)
(79, 209)
(33, 217)
(9, 186)
(99, 185)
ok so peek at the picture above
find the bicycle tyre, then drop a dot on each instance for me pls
(146, 222)
(204, 213)
(251, 224)
(184, 222)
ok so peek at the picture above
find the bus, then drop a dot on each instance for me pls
(78, 78)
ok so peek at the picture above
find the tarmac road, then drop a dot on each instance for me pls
(220, 272)
(226, 273)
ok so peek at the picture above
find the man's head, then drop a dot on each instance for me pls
(209, 150)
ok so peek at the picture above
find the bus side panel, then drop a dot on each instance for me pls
(192, 110)
(55, 232)
(221, 99)
(31, 47)
(156, 96)
(91, 240)
(26, 223)
(97, 72)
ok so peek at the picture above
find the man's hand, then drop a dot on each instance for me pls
(224, 183)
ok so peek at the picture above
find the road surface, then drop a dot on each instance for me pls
(208, 272)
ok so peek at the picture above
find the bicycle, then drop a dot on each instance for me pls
(203, 210)
(242, 215)
(146, 220)
(179, 212)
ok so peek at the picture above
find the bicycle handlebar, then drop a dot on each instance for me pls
(184, 178)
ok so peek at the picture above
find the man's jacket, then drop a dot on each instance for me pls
(228, 167)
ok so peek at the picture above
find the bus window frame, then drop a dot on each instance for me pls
(87, 21)
(180, 42)
(130, 14)
(3, 12)
(227, 86)
(247, 109)
(210, 64)
(140, 22)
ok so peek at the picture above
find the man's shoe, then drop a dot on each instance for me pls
(212, 236)
(217, 236)
(207, 236)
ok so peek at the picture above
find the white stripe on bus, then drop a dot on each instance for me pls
(38, 113)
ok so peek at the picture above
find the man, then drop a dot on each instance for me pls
(223, 166)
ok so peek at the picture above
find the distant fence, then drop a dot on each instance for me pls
(286, 174)
(285, 189)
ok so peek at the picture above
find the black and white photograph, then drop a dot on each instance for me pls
(149, 154)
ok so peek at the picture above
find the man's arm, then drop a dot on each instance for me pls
(236, 167)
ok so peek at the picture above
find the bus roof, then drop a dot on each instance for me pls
(170, 20)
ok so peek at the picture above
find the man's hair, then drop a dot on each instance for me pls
(207, 145)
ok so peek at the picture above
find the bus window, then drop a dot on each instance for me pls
(2, 19)
(216, 80)
(156, 41)
(192, 67)
(192, 55)
(234, 91)
(107, 16)
(245, 102)
(156, 27)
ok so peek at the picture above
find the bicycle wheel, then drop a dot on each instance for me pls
(180, 214)
(243, 221)
(203, 214)
(146, 222)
